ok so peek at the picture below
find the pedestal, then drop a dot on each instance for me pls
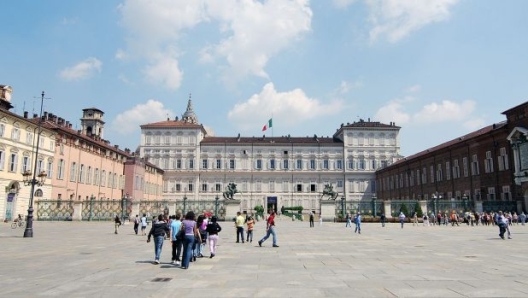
(135, 211)
(328, 209)
(77, 211)
(387, 208)
(232, 207)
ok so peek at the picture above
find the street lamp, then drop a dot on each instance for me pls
(123, 207)
(465, 201)
(28, 232)
(216, 206)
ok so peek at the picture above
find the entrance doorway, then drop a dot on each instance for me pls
(272, 204)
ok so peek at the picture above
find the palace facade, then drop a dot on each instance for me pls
(270, 171)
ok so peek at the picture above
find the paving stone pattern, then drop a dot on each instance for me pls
(86, 259)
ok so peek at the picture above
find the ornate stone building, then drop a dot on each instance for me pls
(269, 171)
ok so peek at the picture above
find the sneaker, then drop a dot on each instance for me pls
(212, 256)
(260, 243)
(173, 262)
(509, 237)
(178, 263)
(275, 245)
(156, 262)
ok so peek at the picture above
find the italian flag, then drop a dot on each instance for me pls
(268, 125)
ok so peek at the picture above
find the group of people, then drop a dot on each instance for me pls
(190, 235)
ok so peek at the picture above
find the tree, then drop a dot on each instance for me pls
(418, 209)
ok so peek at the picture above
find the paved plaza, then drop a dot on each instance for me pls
(86, 259)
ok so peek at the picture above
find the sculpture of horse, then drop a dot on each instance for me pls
(329, 191)
(230, 191)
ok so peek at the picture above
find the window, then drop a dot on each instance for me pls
(60, 169)
(439, 174)
(491, 193)
(326, 164)
(362, 164)
(218, 164)
(191, 164)
(313, 187)
(339, 164)
(103, 178)
(178, 164)
(2, 158)
(204, 164)
(299, 187)
(424, 175)
(13, 162)
(474, 165)
(502, 160)
(339, 183)
(506, 195)
(81, 174)
(299, 164)
(26, 164)
(350, 163)
(204, 187)
(89, 175)
(15, 134)
(191, 186)
(217, 187)
(2, 129)
(285, 164)
(448, 170)
(177, 187)
(432, 173)
(285, 186)
(96, 177)
(456, 169)
(272, 186)
(312, 164)
(73, 171)
(29, 137)
(465, 166)
(488, 163)
(272, 164)
(259, 164)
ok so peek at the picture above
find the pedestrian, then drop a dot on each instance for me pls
(136, 224)
(502, 224)
(454, 219)
(348, 223)
(201, 223)
(415, 219)
(213, 228)
(117, 223)
(357, 221)
(176, 226)
(191, 232)
(311, 219)
(382, 219)
(250, 223)
(425, 220)
(402, 219)
(144, 224)
(522, 217)
(270, 230)
(158, 231)
(320, 220)
(239, 225)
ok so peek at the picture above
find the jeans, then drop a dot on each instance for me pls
(158, 244)
(358, 227)
(348, 223)
(187, 250)
(240, 234)
(271, 231)
(249, 235)
(401, 222)
(176, 250)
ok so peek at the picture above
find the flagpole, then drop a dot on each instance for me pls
(272, 126)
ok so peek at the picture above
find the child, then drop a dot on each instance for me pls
(250, 223)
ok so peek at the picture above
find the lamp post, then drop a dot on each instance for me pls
(465, 202)
(374, 213)
(184, 203)
(28, 232)
(123, 207)
(343, 207)
(92, 199)
(216, 205)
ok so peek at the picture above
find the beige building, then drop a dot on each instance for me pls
(18, 137)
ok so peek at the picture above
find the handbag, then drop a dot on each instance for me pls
(181, 233)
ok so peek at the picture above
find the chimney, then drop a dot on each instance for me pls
(35, 115)
(26, 114)
(67, 124)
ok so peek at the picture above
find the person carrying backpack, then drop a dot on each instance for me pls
(136, 224)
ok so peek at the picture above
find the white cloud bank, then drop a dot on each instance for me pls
(82, 70)
(128, 122)
(251, 32)
(292, 107)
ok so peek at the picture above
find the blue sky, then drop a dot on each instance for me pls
(437, 68)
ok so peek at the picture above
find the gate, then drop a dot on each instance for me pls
(365, 207)
(407, 207)
(54, 210)
(450, 206)
(494, 206)
(102, 209)
(209, 207)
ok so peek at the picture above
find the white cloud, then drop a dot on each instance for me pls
(252, 31)
(414, 89)
(474, 124)
(292, 108)
(346, 87)
(82, 70)
(165, 71)
(396, 19)
(343, 3)
(445, 111)
(394, 111)
(129, 121)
